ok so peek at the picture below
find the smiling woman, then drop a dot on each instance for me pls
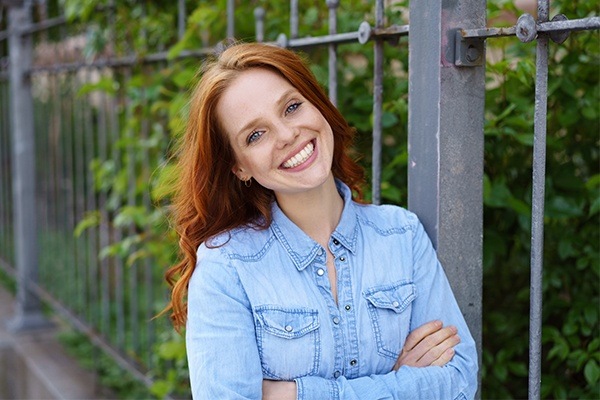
(289, 287)
(279, 138)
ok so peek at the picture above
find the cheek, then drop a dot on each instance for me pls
(255, 160)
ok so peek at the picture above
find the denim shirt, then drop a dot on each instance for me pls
(260, 306)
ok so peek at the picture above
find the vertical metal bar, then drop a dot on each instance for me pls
(43, 180)
(70, 178)
(133, 273)
(81, 253)
(148, 278)
(181, 13)
(332, 5)
(5, 173)
(537, 206)
(445, 142)
(377, 107)
(230, 19)
(293, 19)
(259, 21)
(28, 313)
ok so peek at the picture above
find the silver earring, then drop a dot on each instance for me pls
(248, 182)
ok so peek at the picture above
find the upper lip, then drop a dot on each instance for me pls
(297, 150)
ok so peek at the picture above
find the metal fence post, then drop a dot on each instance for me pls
(28, 314)
(445, 124)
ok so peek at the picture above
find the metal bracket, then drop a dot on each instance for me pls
(468, 52)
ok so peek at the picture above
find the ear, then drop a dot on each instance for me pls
(237, 171)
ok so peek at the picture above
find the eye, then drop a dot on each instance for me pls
(253, 137)
(292, 107)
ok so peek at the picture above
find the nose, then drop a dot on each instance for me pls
(286, 135)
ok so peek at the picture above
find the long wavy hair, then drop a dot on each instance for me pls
(209, 198)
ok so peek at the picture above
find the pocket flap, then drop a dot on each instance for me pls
(287, 323)
(394, 297)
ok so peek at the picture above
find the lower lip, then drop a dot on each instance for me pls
(306, 163)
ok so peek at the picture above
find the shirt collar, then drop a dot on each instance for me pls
(301, 248)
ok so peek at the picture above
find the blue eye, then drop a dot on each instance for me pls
(292, 108)
(254, 136)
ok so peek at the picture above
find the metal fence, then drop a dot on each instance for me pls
(54, 130)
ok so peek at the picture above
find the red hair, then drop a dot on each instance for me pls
(209, 198)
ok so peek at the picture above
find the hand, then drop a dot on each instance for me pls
(278, 390)
(429, 344)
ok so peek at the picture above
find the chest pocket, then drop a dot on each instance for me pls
(288, 341)
(390, 310)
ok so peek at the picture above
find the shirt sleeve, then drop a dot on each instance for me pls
(455, 380)
(221, 346)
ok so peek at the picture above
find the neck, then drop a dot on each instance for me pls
(316, 212)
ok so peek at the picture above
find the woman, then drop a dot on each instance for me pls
(289, 288)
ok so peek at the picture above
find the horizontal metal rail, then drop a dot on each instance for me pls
(526, 22)
(364, 34)
(127, 61)
(38, 27)
(469, 48)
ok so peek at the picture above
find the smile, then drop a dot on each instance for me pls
(301, 157)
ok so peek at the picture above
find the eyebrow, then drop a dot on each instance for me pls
(281, 100)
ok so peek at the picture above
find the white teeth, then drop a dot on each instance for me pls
(300, 157)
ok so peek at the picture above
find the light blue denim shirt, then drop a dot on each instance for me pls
(260, 306)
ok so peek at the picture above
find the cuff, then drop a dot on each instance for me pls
(314, 387)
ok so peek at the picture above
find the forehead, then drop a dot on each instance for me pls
(253, 85)
(250, 95)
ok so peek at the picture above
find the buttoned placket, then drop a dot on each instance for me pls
(346, 351)
(337, 324)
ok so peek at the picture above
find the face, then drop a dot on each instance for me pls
(279, 138)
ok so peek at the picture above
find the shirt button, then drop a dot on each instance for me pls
(337, 374)
(289, 328)
(336, 320)
(348, 307)
(353, 362)
(320, 272)
(336, 242)
(320, 252)
(342, 258)
(396, 304)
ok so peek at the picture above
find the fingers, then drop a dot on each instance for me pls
(416, 336)
(444, 358)
(429, 344)
(438, 348)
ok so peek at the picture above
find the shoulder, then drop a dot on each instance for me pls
(219, 258)
(246, 243)
(386, 219)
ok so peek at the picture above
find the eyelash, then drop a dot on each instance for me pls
(255, 135)
(292, 107)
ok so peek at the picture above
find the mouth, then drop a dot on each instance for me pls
(300, 157)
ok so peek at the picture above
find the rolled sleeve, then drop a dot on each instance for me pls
(312, 387)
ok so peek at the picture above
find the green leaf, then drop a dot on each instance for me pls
(91, 219)
(388, 120)
(106, 84)
(591, 372)
(172, 350)
(518, 369)
(161, 388)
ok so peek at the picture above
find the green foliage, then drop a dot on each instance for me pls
(571, 255)
(157, 103)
